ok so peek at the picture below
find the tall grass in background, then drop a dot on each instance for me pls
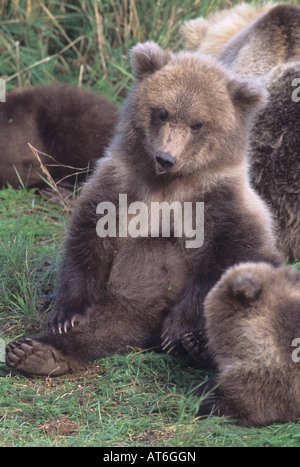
(86, 42)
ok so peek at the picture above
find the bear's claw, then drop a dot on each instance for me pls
(63, 327)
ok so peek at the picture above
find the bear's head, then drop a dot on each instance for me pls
(188, 112)
(253, 304)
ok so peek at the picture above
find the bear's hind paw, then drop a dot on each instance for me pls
(35, 358)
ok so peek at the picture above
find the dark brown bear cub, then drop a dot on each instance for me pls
(253, 329)
(126, 279)
(69, 126)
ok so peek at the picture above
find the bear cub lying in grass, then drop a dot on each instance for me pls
(70, 127)
(182, 137)
(253, 330)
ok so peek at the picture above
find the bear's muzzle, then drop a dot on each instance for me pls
(164, 161)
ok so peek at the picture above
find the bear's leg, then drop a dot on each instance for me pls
(112, 329)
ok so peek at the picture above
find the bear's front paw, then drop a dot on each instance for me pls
(60, 323)
(171, 334)
(177, 337)
(193, 343)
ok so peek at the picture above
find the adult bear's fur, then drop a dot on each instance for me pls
(182, 137)
(253, 326)
(266, 48)
(275, 155)
(273, 39)
(209, 35)
(71, 125)
(249, 40)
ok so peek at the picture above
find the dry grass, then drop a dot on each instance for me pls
(86, 42)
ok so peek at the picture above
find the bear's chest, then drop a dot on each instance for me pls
(150, 272)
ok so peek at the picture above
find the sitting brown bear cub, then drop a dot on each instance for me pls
(253, 330)
(124, 280)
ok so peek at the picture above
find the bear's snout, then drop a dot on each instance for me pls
(165, 160)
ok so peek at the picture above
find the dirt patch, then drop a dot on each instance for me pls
(59, 426)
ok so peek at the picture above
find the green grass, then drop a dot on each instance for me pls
(30, 238)
(135, 400)
(86, 42)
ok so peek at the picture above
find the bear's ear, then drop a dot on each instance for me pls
(147, 58)
(245, 287)
(247, 95)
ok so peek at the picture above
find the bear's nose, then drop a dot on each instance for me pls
(165, 159)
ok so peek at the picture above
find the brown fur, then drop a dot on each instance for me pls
(271, 40)
(71, 125)
(116, 293)
(275, 156)
(252, 318)
(210, 35)
(247, 39)
(275, 134)
(266, 48)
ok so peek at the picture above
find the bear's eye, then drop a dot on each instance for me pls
(163, 115)
(159, 115)
(197, 126)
